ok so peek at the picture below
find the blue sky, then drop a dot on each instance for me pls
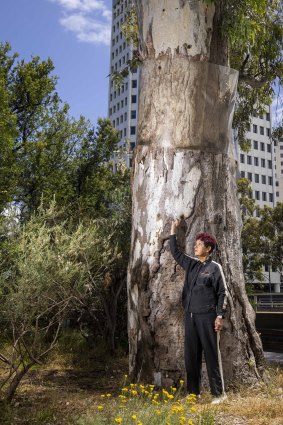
(75, 34)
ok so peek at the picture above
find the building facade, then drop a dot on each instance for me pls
(279, 170)
(123, 100)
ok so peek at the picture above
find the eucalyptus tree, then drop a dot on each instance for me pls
(184, 167)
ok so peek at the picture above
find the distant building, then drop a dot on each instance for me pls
(122, 101)
(279, 170)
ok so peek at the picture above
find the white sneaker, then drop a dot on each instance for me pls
(219, 399)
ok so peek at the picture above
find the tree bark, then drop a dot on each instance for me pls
(184, 167)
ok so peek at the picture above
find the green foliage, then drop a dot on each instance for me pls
(245, 197)
(262, 236)
(254, 31)
(45, 152)
(52, 269)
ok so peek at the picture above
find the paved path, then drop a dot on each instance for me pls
(273, 357)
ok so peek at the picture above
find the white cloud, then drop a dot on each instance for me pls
(87, 29)
(89, 20)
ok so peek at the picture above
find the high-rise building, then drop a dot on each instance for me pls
(279, 169)
(258, 164)
(123, 100)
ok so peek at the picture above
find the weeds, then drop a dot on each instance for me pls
(144, 405)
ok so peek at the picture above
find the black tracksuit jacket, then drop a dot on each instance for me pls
(204, 286)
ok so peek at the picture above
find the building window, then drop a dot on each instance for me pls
(133, 130)
(271, 197)
(268, 132)
(270, 181)
(255, 144)
(261, 130)
(242, 158)
(263, 179)
(133, 115)
(250, 177)
(257, 195)
(256, 161)
(249, 159)
(125, 116)
(243, 174)
(269, 164)
(255, 128)
(125, 132)
(256, 178)
(277, 194)
(134, 84)
(262, 147)
(268, 116)
(117, 121)
(126, 101)
(134, 98)
(268, 148)
(262, 162)
(121, 118)
(264, 196)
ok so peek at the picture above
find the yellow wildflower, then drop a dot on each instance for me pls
(118, 420)
(108, 395)
(158, 412)
(190, 422)
(134, 417)
(100, 407)
(193, 409)
(182, 382)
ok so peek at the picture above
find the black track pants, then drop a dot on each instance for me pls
(201, 336)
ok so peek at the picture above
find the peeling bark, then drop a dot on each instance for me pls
(184, 166)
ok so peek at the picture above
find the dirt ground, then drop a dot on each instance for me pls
(59, 394)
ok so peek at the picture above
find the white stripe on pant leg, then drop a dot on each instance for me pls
(220, 361)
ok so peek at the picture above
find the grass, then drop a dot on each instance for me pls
(79, 386)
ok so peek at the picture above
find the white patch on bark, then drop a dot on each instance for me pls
(173, 26)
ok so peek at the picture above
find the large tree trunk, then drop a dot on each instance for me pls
(184, 166)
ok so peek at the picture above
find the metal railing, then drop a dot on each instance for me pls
(268, 302)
